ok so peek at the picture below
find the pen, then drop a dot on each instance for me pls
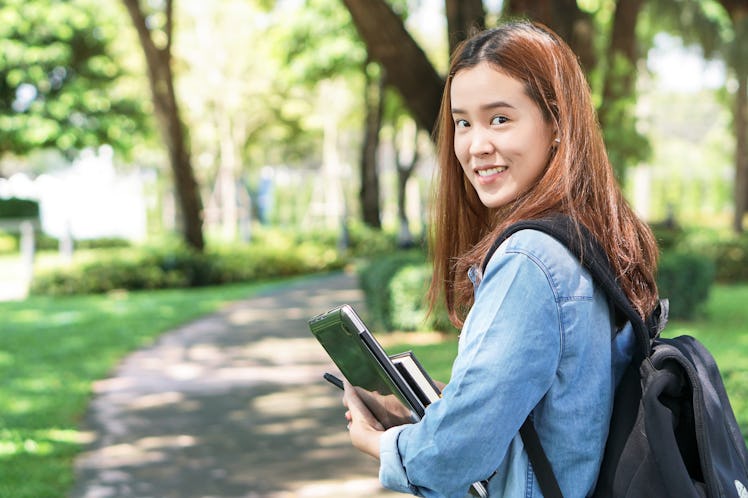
(333, 380)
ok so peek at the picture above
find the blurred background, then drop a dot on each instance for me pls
(148, 145)
(128, 123)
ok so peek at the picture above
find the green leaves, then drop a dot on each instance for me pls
(57, 78)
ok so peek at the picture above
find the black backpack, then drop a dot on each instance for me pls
(673, 433)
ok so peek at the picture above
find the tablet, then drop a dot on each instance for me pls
(362, 360)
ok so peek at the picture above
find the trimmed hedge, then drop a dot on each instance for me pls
(163, 268)
(731, 259)
(685, 279)
(271, 253)
(375, 277)
(395, 287)
(726, 250)
(18, 208)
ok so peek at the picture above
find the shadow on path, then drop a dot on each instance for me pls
(229, 406)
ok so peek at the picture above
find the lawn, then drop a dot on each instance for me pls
(52, 350)
(723, 329)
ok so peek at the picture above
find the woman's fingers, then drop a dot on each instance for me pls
(357, 410)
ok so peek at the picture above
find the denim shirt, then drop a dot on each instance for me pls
(536, 342)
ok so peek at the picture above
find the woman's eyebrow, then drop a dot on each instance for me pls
(487, 107)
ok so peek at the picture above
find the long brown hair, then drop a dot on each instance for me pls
(578, 180)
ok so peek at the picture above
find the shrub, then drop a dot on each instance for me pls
(684, 279)
(407, 290)
(395, 287)
(408, 303)
(731, 259)
(728, 252)
(375, 277)
(102, 243)
(364, 241)
(668, 236)
(18, 208)
(173, 266)
(8, 243)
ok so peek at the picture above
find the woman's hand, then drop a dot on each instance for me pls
(365, 430)
(387, 409)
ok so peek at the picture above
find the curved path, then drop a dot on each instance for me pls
(230, 406)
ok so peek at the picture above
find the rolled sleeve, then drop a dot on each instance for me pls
(391, 470)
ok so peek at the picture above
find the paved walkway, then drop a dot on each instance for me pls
(229, 406)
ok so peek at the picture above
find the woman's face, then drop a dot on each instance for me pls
(501, 139)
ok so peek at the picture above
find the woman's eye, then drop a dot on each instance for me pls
(461, 123)
(497, 120)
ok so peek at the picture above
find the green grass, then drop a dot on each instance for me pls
(723, 329)
(52, 350)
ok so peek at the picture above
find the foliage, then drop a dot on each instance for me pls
(309, 51)
(395, 287)
(365, 241)
(52, 349)
(407, 294)
(732, 260)
(175, 266)
(58, 78)
(375, 277)
(684, 279)
(8, 243)
(668, 235)
(727, 251)
(18, 208)
(626, 145)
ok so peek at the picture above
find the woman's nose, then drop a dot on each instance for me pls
(480, 143)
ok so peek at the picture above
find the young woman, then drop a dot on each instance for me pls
(518, 139)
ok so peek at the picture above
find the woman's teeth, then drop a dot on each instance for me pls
(491, 171)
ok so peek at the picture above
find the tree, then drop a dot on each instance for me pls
(565, 18)
(626, 146)
(405, 140)
(60, 82)
(229, 99)
(405, 63)
(155, 32)
(738, 60)
(463, 16)
(407, 66)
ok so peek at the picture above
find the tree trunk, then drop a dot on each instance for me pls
(374, 103)
(616, 111)
(622, 55)
(738, 60)
(741, 151)
(463, 17)
(566, 19)
(406, 65)
(172, 129)
(406, 159)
